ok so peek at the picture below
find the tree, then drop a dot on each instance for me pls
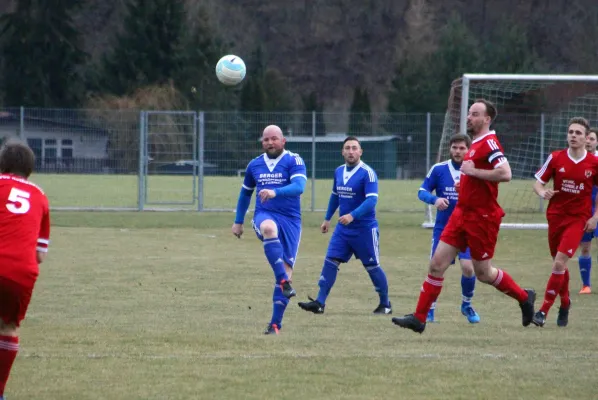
(360, 119)
(312, 104)
(150, 50)
(41, 54)
(202, 48)
(508, 51)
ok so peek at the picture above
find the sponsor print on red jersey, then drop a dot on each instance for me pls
(573, 179)
(24, 228)
(478, 194)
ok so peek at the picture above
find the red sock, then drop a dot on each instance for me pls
(428, 295)
(508, 286)
(564, 293)
(553, 288)
(9, 347)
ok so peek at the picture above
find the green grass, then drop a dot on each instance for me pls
(221, 193)
(171, 306)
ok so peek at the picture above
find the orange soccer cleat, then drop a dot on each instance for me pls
(585, 290)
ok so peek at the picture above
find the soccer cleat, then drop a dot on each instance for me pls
(382, 309)
(470, 313)
(272, 329)
(527, 307)
(410, 322)
(586, 290)
(287, 289)
(313, 305)
(539, 319)
(430, 317)
(563, 318)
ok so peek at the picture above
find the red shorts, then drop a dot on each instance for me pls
(14, 301)
(564, 234)
(471, 229)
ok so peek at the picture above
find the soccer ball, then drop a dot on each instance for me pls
(230, 70)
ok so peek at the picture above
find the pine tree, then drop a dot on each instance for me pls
(150, 50)
(41, 54)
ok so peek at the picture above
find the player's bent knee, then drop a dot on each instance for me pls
(8, 329)
(268, 229)
(467, 268)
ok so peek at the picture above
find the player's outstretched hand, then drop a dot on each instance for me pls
(266, 194)
(346, 219)
(468, 167)
(325, 226)
(237, 230)
(591, 225)
(549, 194)
(441, 203)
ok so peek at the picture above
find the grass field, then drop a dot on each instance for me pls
(221, 193)
(172, 306)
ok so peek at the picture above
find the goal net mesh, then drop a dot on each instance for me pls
(532, 122)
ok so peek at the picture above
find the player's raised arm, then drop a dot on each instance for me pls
(298, 179)
(501, 170)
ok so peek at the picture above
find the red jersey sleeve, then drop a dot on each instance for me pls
(495, 153)
(43, 238)
(546, 172)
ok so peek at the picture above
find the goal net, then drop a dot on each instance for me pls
(533, 113)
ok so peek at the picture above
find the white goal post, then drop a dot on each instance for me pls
(533, 114)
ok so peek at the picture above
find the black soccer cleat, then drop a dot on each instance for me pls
(287, 289)
(272, 329)
(313, 305)
(410, 322)
(539, 319)
(527, 307)
(563, 318)
(382, 309)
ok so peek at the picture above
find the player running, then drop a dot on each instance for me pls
(24, 239)
(574, 172)
(475, 222)
(355, 194)
(585, 258)
(280, 178)
(441, 179)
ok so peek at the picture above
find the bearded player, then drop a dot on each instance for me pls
(475, 222)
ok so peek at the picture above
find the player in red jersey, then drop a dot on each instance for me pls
(24, 239)
(474, 223)
(574, 172)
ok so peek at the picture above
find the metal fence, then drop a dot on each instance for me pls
(141, 160)
(171, 160)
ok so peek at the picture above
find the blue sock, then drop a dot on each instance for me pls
(378, 278)
(279, 304)
(274, 254)
(327, 279)
(585, 266)
(467, 289)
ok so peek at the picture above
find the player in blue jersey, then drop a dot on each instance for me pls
(355, 194)
(279, 177)
(585, 258)
(441, 179)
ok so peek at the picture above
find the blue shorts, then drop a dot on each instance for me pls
(463, 255)
(588, 236)
(361, 242)
(289, 233)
